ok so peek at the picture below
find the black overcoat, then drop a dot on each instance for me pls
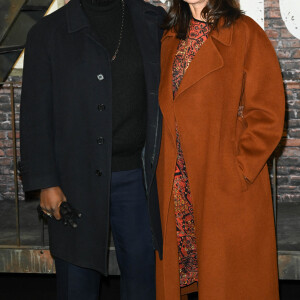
(66, 105)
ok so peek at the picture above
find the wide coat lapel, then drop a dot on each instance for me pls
(78, 20)
(208, 58)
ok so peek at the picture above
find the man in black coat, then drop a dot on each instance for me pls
(90, 135)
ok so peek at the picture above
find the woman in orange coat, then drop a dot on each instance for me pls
(222, 100)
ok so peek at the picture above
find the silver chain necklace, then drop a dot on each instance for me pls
(121, 32)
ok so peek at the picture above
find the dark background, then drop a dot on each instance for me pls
(42, 287)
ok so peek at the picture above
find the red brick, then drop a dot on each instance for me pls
(284, 33)
(289, 43)
(275, 23)
(290, 142)
(274, 13)
(296, 54)
(271, 33)
(8, 143)
(5, 161)
(293, 85)
(287, 188)
(267, 23)
(271, 3)
(283, 53)
(9, 134)
(9, 152)
(291, 151)
(274, 43)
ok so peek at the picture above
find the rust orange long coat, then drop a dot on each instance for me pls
(226, 159)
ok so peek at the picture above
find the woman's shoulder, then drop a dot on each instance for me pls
(247, 26)
(247, 31)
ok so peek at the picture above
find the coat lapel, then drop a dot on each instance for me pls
(145, 25)
(207, 60)
(78, 21)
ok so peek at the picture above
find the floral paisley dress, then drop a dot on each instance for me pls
(181, 193)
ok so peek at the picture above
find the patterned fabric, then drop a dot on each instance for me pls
(181, 193)
(187, 49)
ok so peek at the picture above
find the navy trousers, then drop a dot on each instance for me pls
(130, 225)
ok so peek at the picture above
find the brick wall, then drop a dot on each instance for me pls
(6, 143)
(288, 51)
(288, 152)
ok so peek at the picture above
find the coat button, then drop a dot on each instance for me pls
(101, 107)
(100, 140)
(100, 77)
(98, 173)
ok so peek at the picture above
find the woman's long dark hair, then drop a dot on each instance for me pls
(179, 15)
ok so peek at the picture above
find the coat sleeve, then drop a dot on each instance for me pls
(264, 104)
(37, 165)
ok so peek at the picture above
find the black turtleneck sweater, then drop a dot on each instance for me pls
(128, 82)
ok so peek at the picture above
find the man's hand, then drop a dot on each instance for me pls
(50, 201)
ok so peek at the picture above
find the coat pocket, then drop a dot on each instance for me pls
(241, 125)
(230, 177)
(243, 182)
